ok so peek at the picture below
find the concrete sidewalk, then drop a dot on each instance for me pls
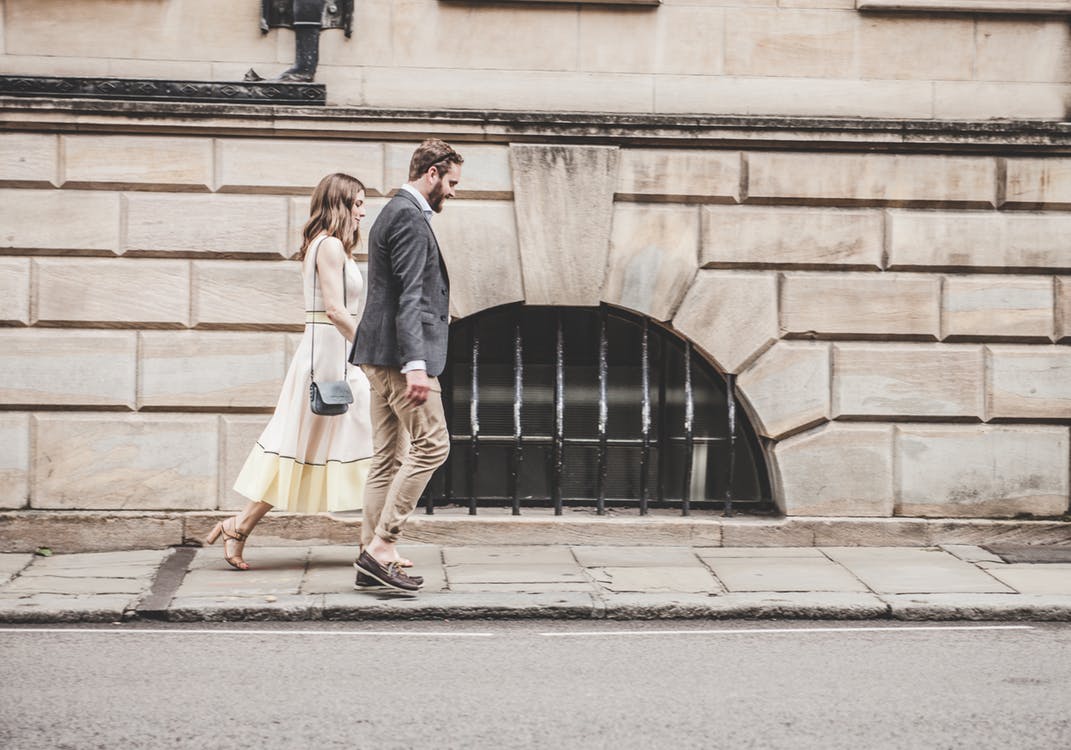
(954, 582)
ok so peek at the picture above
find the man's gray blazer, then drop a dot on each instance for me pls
(407, 312)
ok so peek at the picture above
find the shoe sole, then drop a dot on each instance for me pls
(365, 586)
(394, 586)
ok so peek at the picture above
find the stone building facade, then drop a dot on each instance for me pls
(861, 213)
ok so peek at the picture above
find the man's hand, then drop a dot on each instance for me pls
(417, 387)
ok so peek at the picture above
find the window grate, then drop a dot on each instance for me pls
(595, 407)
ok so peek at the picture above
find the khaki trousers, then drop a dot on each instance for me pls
(398, 476)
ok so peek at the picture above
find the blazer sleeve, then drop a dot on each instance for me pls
(408, 257)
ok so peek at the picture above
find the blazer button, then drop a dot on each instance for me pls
(443, 291)
(442, 317)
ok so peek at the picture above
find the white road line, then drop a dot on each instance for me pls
(766, 631)
(213, 631)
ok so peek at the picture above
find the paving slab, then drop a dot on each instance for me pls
(103, 560)
(784, 574)
(11, 564)
(693, 578)
(623, 557)
(521, 588)
(714, 553)
(520, 573)
(971, 553)
(897, 570)
(230, 582)
(287, 607)
(1034, 578)
(527, 554)
(978, 607)
(76, 586)
(259, 558)
(42, 608)
(460, 605)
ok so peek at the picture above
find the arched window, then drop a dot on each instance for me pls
(556, 407)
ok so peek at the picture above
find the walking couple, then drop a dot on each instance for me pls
(309, 463)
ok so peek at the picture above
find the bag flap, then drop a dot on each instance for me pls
(335, 392)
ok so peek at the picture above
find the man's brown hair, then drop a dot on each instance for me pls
(433, 153)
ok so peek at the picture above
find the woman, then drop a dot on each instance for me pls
(304, 462)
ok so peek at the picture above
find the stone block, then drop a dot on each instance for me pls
(530, 90)
(15, 291)
(138, 31)
(67, 368)
(985, 100)
(779, 42)
(679, 175)
(478, 240)
(731, 315)
(979, 241)
(784, 96)
(563, 261)
(14, 460)
(995, 307)
(836, 470)
(28, 160)
(224, 225)
(1028, 382)
(426, 35)
(78, 221)
(861, 305)
(916, 47)
(234, 294)
(239, 434)
(286, 165)
(1038, 183)
(1000, 45)
(908, 380)
(137, 162)
(872, 179)
(787, 388)
(133, 462)
(685, 39)
(300, 209)
(784, 237)
(653, 258)
(486, 172)
(1063, 308)
(99, 291)
(981, 470)
(207, 369)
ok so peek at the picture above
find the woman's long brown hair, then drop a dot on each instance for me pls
(331, 212)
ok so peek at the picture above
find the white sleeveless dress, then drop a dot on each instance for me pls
(303, 462)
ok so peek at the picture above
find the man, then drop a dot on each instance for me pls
(401, 347)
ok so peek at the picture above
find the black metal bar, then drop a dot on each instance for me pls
(730, 397)
(518, 397)
(600, 492)
(645, 416)
(663, 431)
(559, 414)
(689, 440)
(474, 419)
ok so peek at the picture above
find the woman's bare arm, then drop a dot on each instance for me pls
(330, 260)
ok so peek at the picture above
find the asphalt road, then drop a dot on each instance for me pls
(537, 684)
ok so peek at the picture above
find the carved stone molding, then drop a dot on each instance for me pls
(144, 89)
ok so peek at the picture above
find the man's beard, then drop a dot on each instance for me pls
(436, 198)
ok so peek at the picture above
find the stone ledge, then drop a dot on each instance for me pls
(58, 115)
(85, 531)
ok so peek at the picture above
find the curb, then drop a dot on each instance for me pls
(101, 531)
(361, 607)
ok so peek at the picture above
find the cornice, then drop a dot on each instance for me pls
(681, 131)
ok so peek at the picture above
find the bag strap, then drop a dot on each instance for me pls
(345, 305)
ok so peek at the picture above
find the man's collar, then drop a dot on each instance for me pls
(422, 202)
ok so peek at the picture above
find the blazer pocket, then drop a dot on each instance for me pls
(428, 318)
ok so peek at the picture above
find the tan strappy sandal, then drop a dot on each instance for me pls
(229, 536)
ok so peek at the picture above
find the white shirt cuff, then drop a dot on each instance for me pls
(416, 364)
